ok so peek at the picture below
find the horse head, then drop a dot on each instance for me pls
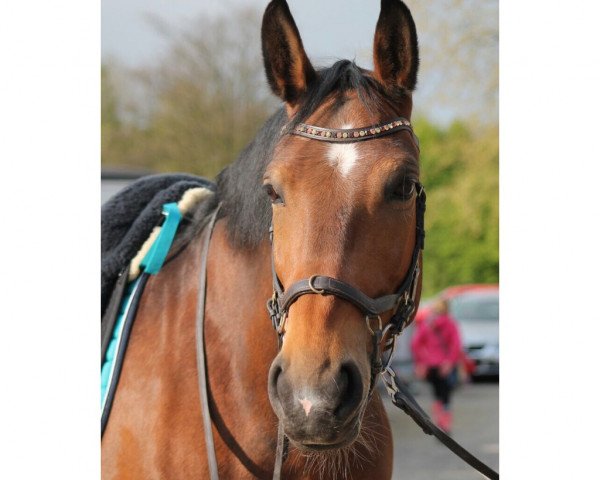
(345, 210)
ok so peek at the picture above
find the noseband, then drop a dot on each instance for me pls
(401, 303)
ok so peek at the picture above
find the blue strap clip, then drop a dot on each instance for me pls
(154, 259)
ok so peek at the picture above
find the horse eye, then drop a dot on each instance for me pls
(273, 195)
(403, 190)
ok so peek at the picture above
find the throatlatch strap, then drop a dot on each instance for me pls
(201, 353)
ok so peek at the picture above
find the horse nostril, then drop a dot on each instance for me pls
(350, 390)
(278, 386)
(274, 373)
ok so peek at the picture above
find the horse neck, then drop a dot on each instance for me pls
(240, 341)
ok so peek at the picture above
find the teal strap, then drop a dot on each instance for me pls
(155, 257)
(109, 362)
(151, 264)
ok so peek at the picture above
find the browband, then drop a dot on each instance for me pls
(337, 135)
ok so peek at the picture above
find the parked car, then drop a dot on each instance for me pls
(476, 309)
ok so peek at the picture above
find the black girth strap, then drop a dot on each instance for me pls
(109, 319)
(136, 296)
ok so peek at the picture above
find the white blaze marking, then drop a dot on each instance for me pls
(306, 404)
(343, 155)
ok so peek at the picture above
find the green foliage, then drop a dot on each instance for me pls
(460, 171)
(198, 109)
(111, 123)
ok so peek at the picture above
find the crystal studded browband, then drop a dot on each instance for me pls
(351, 134)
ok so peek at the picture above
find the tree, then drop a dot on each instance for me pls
(201, 105)
(460, 171)
(459, 53)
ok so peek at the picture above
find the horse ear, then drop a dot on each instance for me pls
(288, 69)
(395, 47)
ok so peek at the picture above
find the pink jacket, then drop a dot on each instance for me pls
(436, 340)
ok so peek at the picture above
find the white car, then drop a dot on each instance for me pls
(477, 312)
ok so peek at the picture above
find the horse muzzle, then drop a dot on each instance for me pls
(322, 414)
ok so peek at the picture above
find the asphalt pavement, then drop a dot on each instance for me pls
(418, 456)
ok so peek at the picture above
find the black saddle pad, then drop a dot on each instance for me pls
(127, 219)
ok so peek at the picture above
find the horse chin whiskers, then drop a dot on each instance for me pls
(339, 463)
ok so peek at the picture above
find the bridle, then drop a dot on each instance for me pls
(401, 303)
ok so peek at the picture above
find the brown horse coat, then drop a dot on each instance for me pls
(155, 430)
(344, 212)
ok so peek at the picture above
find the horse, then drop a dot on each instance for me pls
(290, 208)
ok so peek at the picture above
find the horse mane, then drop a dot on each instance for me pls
(239, 184)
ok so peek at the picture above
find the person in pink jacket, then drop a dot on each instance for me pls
(437, 351)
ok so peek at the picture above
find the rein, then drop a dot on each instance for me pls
(201, 351)
(401, 304)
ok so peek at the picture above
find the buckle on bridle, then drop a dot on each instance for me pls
(404, 297)
(390, 343)
(311, 286)
(273, 309)
(280, 327)
(376, 360)
(389, 377)
(368, 319)
(408, 309)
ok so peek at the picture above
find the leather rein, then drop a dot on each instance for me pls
(401, 304)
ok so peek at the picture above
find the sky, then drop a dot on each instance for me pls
(330, 30)
(335, 32)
